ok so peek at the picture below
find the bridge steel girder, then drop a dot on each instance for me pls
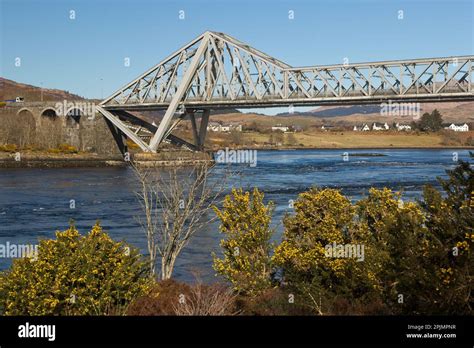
(115, 120)
(119, 137)
(217, 71)
(185, 81)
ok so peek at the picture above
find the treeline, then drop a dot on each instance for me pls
(431, 122)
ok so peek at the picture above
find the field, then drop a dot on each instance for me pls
(347, 139)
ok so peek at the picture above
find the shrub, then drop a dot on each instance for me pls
(131, 145)
(323, 217)
(213, 299)
(161, 299)
(448, 259)
(170, 297)
(273, 301)
(397, 232)
(8, 148)
(74, 275)
(245, 220)
(64, 148)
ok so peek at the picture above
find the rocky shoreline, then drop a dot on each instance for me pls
(43, 160)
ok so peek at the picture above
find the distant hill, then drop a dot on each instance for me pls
(451, 112)
(337, 111)
(10, 90)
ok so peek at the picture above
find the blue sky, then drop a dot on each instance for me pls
(86, 55)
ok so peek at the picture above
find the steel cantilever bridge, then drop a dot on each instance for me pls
(216, 71)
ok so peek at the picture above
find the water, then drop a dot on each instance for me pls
(34, 203)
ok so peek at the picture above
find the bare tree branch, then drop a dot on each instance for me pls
(176, 203)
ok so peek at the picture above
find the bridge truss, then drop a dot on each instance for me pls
(216, 71)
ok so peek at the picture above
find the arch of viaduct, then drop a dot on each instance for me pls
(74, 124)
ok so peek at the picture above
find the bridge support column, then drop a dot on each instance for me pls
(203, 128)
(200, 134)
(119, 137)
(194, 127)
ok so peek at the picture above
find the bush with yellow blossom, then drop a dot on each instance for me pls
(448, 255)
(74, 275)
(245, 220)
(324, 217)
(397, 231)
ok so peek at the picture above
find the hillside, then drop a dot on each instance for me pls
(451, 111)
(10, 90)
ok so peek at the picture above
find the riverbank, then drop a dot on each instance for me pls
(314, 140)
(36, 159)
(164, 159)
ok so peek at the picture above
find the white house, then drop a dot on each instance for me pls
(328, 127)
(362, 128)
(458, 128)
(378, 127)
(403, 127)
(281, 128)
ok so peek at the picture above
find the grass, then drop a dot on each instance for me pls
(372, 140)
(350, 139)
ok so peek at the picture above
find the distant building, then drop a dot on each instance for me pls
(403, 127)
(378, 126)
(362, 128)
(458, 128)
(326, 127)
(281, 128)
